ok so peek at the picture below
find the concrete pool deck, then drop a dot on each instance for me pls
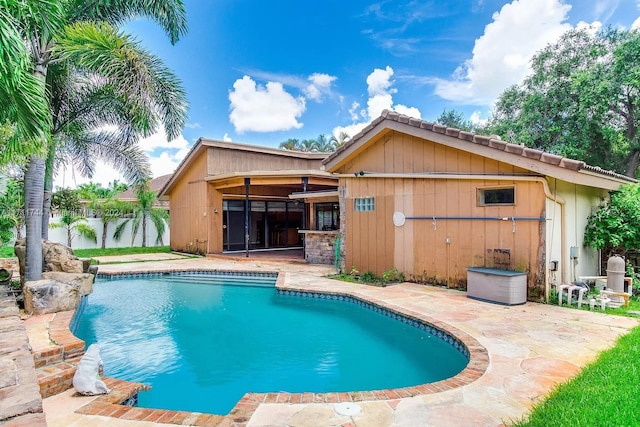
(531, 348)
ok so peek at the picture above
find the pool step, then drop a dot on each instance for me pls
(223, 280)
(56, 378)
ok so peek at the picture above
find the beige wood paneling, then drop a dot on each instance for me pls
(222, 160)
(188, 207)
(420, 248)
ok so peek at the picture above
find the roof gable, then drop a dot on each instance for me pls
(518, 155)
(203, 144)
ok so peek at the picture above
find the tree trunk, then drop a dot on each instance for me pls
(105, 225)
(33, 195)
(69, 235)
(144, 230)
(633, 162)
(48, 187)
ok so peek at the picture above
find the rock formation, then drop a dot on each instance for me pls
(66, 278)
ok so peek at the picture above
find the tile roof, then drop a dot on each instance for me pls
(155, 184)
(492, 142)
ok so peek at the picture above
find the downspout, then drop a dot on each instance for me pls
(545, 186)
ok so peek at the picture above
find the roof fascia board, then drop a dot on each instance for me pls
(581, 177)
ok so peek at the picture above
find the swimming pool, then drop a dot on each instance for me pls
(202, 343)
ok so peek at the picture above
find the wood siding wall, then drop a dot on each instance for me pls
(223, 161)
(419, 248)
(189, 225)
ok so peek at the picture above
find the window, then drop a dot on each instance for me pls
(365, 204)
(496, 196)
(327, 216)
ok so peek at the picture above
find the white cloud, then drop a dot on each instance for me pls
(380, 89)
(68, 177)
(636, 24)
(476, 119)
(264, 108)
(501, 55)
(226, 138)
(159, 140)
(320, 85)
(353, 111)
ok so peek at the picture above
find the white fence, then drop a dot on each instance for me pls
(59, 235)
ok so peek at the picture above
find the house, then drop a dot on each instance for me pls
(155, 185)
(432, 201)
(229, 197)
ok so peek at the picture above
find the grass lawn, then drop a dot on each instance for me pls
(7, 251)
(605, 393)
(89, 253)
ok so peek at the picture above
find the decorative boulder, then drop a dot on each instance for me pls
(83, 280)
(49, 296)
(87, 380)
(55, 257)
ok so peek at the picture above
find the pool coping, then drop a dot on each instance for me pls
(111, 404)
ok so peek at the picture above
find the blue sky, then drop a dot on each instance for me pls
(261, 72)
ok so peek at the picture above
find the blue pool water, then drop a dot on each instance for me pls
(201, 345)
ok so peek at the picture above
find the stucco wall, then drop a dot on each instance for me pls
(78, 242)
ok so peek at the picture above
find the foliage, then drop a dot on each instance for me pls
(319, 145)
(455, 119)
(7, 252)
(66, 201)
(75, 224)
(393, 275)
(92, 190)
(143, 211)
(22, 93)
(614, 226)
(99, 91)
(104, 205)
(603, 394)
(12, 217)
(370, 278)
(581, 100)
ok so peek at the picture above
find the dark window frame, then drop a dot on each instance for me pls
(496, 196)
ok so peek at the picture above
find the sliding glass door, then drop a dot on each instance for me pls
(272, 224)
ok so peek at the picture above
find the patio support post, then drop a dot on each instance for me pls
(305, 183)
(247, 181)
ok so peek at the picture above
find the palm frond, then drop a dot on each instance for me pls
(169, 14)
(119, 231)
(87, 231)
(150, 89)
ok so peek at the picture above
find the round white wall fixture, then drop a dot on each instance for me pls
(398, 219)
(347, 408)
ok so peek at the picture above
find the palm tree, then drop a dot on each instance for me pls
(109, 210)
(340, 140)
(144, 210)
(309, 145)
(75, 223)
(290, 144)
(79, 39)
(324, 145)
(22, 95)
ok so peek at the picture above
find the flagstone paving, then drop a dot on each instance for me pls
(531, 348)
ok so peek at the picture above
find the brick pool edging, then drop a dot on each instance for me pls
(111, 406)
